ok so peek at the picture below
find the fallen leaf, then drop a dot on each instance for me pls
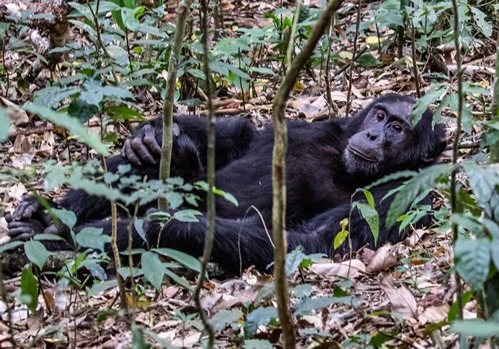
(434, 314)
(401, 298)
(383, 259)
(348, 269)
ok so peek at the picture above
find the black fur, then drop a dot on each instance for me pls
(326, 162)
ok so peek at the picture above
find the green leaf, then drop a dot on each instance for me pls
(92, 238)
(258, 317)
(475, 327)
(36, 253)
(10, 245)
(130, 17)
(483, 181)
(494, 249)
(4, 125)
(29, 288)
(481, 24)
(181, 257)
(120, 112)
(118, 54)
(82, 110)
(65, 216)
(257, 344)
(422, 103)
(305, 306)
(187, 216)
(371, 216)
(454, 308)
(197, 73)
(294, 259)
(138, 224)
(340, 238)
(473, 260)
(69, 123)
(225, 317)
(47, 237)
(178, 280)
(368, 60)
(369, 197)
(102, 286)
(153, 269)
(425, 179)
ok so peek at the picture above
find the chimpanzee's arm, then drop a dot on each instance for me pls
(233, 137)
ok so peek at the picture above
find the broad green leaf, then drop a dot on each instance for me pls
(138, 224)
(36, 253)
(494, 249)
(29, 288)
(4, 125)
(10, 245)
(119, 112)
(475, 327)
(181, 257)
(481, 24)
(118, 54)
(175, 199)
(47, 237)
(52, 96)
(92, 238)
(178, 280)
(425, 179)
(262, 70)
(371, 216)
(197, 73)
(257, 344)
(422, 103)
(187, 216)
(102, 286)
(293, 260)
(70, 124)
(82, 110)
(258, 317)
(454, 308)
(153, 269)
(473, 260)
(305, 306)
(368, 60)
(483, 181)
(225, 317)
(130, 17)
(66, 217)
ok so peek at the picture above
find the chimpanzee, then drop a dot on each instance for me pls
(326, 162)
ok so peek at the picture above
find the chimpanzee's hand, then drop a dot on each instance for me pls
(29, 219)
(145, 145)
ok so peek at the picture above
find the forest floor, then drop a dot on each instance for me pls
(399, 296)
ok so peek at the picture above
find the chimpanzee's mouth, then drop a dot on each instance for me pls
(360, 154)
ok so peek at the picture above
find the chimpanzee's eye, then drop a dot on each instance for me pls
(380, 116)
(397, 127)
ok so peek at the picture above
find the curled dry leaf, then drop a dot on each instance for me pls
(434, 314)
(383, 259)
(16, 114)
(415, 237)
(348, 269)
(401, 298)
